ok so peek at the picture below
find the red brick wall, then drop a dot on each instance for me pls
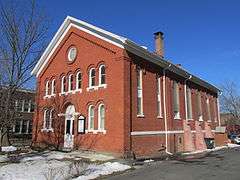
(91, 53)
(120, 97)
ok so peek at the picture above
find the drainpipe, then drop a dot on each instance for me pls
(218, 109)
(185, 95)
(164, 107)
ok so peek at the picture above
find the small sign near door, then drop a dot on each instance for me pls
(81, 124)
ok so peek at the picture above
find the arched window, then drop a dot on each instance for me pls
(91, 117)
(176, 105)
(53, 87)
(48, 116)
(70, 82)
(47, 88)
(101, 117)
(63, 84)
(102, 75)
(79, 80)
(46, 119)
(92, 75)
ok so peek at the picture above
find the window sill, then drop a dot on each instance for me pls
(102, 86)
(177, 118)
(140, 116)
(92, 88)
(160, 117)
(62, 93)
(96, 131)
(190, 119)
(49, 96)
(209, 121)
(47, 130)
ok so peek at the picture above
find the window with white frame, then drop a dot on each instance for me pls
(53, 87)
(79, 80)
(159, 105)
(70, 82)
(139, 93)
(47, 119)
(215, 109)
(91, 117)
(189, 103)
(92, 76)
(102, 75)
(63, 85)
(26, 105)
(176, 105)
(101, 117)
(208, 110)
(199, 106)
(47, 88)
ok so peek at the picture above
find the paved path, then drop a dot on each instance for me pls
(221, 165)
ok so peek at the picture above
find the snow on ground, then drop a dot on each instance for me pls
(107, 168)
(148, 160)
(8, 148)
(230, 145)
(58, 165)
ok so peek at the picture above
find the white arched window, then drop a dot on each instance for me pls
(53, 87)
(102, 75)
(47, 88)
(63, 85)
(46, 116)
(101, 117)
(92, 75)
(79, 80)
(91, 117)
(70, 82)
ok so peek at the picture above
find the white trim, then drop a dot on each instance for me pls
(70, 83)
(99, 117)
(90, 78)
(159, 97)
(47, 130)
(141, 133)
(77, 81)
(89, 117)
(140, 92)
(53, 87)
(63, 30)
(114, 39)
(62, 85)
(46, 88)
(100, 75)
(137, 133)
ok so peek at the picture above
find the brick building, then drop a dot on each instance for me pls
(24, 100)
(133, 100)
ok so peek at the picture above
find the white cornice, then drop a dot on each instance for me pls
(116, 40)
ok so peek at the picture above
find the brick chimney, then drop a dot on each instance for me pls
(158, 36)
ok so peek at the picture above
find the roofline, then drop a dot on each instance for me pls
(119, 41)
(154, 58)
(22, 90)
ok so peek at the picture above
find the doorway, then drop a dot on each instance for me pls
(69, 127)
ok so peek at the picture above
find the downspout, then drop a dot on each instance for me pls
(218, 109)
(185, 95)
(164, 107)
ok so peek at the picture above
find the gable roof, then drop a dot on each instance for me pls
(117, 40)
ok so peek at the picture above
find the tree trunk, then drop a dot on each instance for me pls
(4, 138)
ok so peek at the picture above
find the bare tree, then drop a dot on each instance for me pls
(23, 34)
(230, 101)
(57, 106)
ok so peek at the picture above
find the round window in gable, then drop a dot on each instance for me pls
(72, 53)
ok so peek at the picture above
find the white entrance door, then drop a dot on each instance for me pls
(69, 131)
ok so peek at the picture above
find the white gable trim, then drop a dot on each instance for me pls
(63, 30)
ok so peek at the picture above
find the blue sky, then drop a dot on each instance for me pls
(203, 36)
